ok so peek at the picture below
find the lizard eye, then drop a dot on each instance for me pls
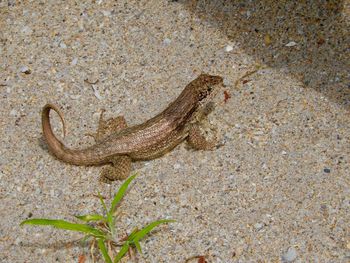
(203, 95)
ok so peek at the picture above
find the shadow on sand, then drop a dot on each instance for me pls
(308, 39)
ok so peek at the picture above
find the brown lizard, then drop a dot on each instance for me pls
(119, 145)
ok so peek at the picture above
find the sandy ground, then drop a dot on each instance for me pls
(277, 191)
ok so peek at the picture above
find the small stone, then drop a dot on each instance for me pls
(227, 82)
(228, 48)
(25, 70)
(177, 166)
(167, 41)
(13, 112)
(17, 241)
(258, 226)
(106, 12)
(291, 44)
(290, 255)
(74, 61)
(327, 170)
(63, 45)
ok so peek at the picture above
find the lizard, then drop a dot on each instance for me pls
(118, 145)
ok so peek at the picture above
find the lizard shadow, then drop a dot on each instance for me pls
(308, 39)
(42, 143)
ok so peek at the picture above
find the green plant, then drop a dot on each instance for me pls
(101, 228)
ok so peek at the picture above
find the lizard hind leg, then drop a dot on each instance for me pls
(108, 127)
(198, 141)
(118, 170)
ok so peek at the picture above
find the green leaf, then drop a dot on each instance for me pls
(102, 202)
(138, 246)
(122, 252)
(121, 192)
(110, 220)
(94, 217)
(144, 231)
(103, 249)
(61, 224)
(132, 234)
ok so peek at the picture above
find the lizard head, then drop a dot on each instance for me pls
(207, 86)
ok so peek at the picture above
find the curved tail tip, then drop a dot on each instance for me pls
(49, 106)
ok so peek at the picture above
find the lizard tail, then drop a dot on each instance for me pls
(77, 157)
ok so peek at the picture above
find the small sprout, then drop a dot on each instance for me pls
(102, 230)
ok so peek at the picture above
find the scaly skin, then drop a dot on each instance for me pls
(150, 139)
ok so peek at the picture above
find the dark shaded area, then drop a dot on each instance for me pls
(320, 57)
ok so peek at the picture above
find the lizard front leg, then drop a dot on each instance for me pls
(198, 141)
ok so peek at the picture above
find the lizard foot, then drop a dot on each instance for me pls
(119, 170)
(198, 141)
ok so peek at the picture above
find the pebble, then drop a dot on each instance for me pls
(106, 12)
(74, 61)
(177, 166)
(13, 112)
(327, 170)
(291, 44)
(17, 241)
(227, 82)
(25, 70)
(258, 226)
(167, 41)
(290, 255)
(63, 45)
(228, 48)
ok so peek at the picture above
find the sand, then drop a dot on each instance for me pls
(277, 191)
